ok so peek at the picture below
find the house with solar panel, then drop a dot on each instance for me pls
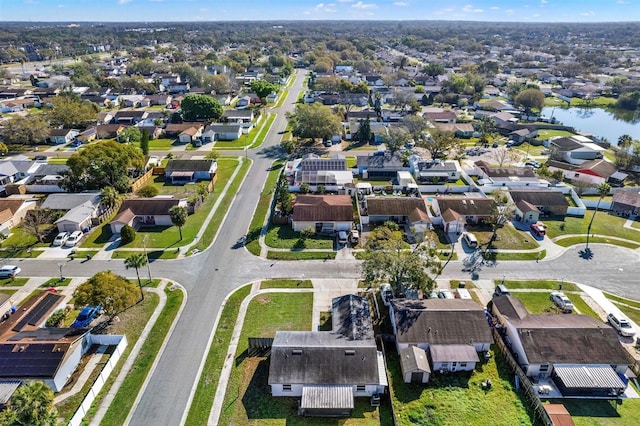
(564, 355)
(328, 369)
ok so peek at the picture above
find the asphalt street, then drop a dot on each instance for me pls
(210, 275)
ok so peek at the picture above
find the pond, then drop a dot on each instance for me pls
(598, 121)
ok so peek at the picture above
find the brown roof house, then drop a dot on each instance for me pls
(450, 331)
(581, 355)
(626, 202)
(326, 370)
(409, 211)
(530, 203)
(139, 212)
(12, 211)
(322, 213)
(454, 212)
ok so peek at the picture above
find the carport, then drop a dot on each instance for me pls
(326, 401)
(588, 380)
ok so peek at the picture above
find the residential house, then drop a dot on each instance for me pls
(508, 177)
(134, 101)
(454, 212)
(81, 210)
(243, 102)
(44, 178)
(521, 135)
(322, 213)
(446, 116)
(451, 331)
(328, 369)
(12, 211)
(190, 135)
(186, 171)
(593, 172)
(534, 202)
(238, 116)
(410, 211)
(88, 135)
(161, 99)
(575, 150)
(62, 136)
(313, 170)
(434, 171)
(374, 80)
(13, 171)
(130, 116)
(174, 88)
(142, 212)
(222, 132)
(109, 131)
(626, 202)
(461, 130)
(154, 131)
(381, 165)
(175, 129)
(104, 117)
(580, 354)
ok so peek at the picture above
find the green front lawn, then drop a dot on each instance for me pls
(57, 160)
(283, 236)
(603, 224)
(602, 413)
(13, 282)
(539, 303)
(544, 134)
(458, 398)
(301, 255)
(56, 282)
(623, 300)
(539, 285)
(582, 239)
(509, 238)
(262, 209)
(20, 238)
(285, 284)
(253, 139)
(160, 144)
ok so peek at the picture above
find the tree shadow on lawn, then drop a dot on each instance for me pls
(257, 399)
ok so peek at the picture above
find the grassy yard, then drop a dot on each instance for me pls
(57, 160)
(132, 322)
(531, 150)
(602, 413)
(448, 399)
(509, 238)
(285, 284)
(522, 256)
(123, 401)
(253, 139)
(13, 282)
(283, 236)
(539, 303)
(20, 238)
(618, 299)
(160, 144)
(301, 255)
(549, 133)
(56, 282)
(603, 224)
(262, 209)
(538, 285)
(208, 382)
(582, 239)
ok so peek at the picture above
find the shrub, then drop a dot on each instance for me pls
(56, 318)
(127, 234)
(148, 191)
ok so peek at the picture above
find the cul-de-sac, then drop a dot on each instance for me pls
(350, 213)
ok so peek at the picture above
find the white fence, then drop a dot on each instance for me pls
(100, 339)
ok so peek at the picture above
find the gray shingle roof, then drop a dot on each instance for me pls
(189, 165)
(69, 201)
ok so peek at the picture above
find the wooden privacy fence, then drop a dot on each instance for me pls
(142, 181)
(259, 346)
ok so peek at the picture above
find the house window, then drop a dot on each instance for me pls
(463, 365)
(361, 388)
(544, 368)
(576, 175)
(286, 388)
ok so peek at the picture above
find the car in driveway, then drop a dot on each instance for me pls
(73, 239)
(86, 315)
(445, 294)
(9, 271)
(538, 229)
(533, 164)
(561, 301)
(621, 324)
(60, 239)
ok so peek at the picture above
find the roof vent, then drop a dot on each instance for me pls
(349, 352)
(296, 352)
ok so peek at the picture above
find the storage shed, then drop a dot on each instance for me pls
(415, 365)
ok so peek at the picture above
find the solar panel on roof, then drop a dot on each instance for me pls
(43, 307)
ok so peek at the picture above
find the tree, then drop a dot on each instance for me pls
(502, 213)
(3, 149)
(31, 129)
(503, 155)
(127, 234)
(100, 165)
(402, 99)
(395, 140)
(283, 195)
(603, 190)
(314, 121)
(144, 142)
(69, 111)
(147, 191)
(31, 404)
(219, 83)
(487, 129)
(263, 88)
(364, 131)
(109, 197)
(178, 215)
(113, 292)
(417, 127)
(432, 69)
(389, 258)
(38, 222)
(529, 99)
(130, 134)
(136, 261)
(439, 142)
(200, 108)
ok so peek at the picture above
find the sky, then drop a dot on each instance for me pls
(269, 10)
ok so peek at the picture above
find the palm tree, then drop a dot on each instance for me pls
(137, 261)
(624, 142)
(32, 404)
(178, 215)
(603, 189)
(109, 197)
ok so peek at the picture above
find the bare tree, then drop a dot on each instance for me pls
(504, 155)
(38, 222)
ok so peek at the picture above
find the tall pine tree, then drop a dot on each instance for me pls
(144, 142)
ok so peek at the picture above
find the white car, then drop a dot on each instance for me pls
(73, 239)
(445, 294)
(386, 293)
(561, 301)
(8, 271)
(621, 324)
(60, 239)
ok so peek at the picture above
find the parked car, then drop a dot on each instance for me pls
(61, 238)
(73, 239)
(545, 152)
(9, 271)
(445, 294)
(432, 295)
(495, 144)
(354, 237)
(386, 293)
(509, 144)
(621, 324)
(538, 229)
(40, 158)
(470, 240)
(342, 237)
(561, 301)
(533, 164)
(86, 315)
(501, 290)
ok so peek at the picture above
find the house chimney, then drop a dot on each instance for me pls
(429, 330)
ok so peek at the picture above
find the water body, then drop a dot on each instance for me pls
(598, 121)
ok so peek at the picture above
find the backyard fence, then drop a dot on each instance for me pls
(142, 181)
(526, 385)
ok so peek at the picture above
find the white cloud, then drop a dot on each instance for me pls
(401, 3)
(60, 6)
(470, 9)
(346, 1)
(156, 1)
(326, 8)
(495, 8)
(544, 1)
(121, 2)
(509, 11)
(536, 15)
(361, 5)
(588, 13)
(623, 2)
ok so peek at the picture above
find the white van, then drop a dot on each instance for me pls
(342, 237)
(470, 239)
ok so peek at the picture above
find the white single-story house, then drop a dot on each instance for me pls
(62, 136)
(140, 212)
(322, 213)
(221, 132)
